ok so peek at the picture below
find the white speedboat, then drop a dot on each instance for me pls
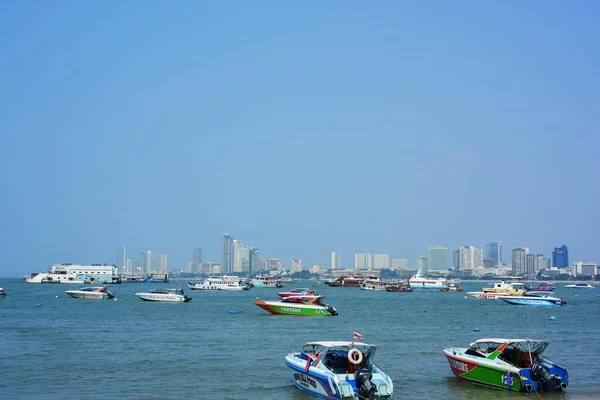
(339, 370)
(580, 286)
(74, 273)
(418, 281)
(91, 292)
(2, 292)
(535, 298)
(171, 295)
(220, 283)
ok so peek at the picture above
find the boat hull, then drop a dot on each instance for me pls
(533, 301)
(88, 295)
(281, 308)
(484, 374)
(163, 297)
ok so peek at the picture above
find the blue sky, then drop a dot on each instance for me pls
(299, 127)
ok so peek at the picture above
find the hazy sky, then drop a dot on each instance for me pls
(300, 127)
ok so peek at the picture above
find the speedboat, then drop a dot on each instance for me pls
(172, 295)
(511, 364)
(2, 292)
(580, 286)
(220, 283)
(418, 281)
(297, 306)
(91, 292)
(535, 298)
(339, 370)
(297, 292)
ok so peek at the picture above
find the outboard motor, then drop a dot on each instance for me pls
(366, 389)
(547, 382)
(331, 309)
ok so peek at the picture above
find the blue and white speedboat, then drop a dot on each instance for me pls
(339, 370)
(535, 298)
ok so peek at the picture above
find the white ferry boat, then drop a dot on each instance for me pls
(219, 283)
(418, 281)
(74, 273)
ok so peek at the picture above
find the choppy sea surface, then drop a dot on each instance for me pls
(221, 346)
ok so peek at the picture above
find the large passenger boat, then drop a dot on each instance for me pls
(74, 273)
(418, 281)
(346, 281)
(219, 283)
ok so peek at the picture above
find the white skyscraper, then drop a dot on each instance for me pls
(296, 266)
(423, 264)
(468, 258)
(241, 256)
(335, 260)
(382, 261)
(362, 261)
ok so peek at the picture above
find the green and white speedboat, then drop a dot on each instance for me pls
(297, 305)
(512, 364)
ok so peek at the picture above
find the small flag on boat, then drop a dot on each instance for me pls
(356, 335)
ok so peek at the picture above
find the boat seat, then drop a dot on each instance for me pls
(340, 365)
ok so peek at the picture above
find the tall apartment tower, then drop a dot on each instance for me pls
(468, 257)
(438, 258)
(226, 259)
(335, 260)
(122, 260)
(382, 261)
(197, 259)
(255, 261)
(560, 257)
(362, 261)
(519, 260)
(493, 255)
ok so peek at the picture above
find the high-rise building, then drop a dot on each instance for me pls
(399, 263)
(153, 262)
(240, 256)
(133, 267)
(382, 261)
(335, 260)
(493, 255)
(560, 257)
(423, 265)
(519, 256)
(122, 260)
(164, 267)
(468, 257)
(296, 266)
(438, 258)
(274, 264)
(255, 260)
(226, 258)
(362, 261)
(196, 259)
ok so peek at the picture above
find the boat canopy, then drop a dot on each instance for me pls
(530, 345)
(317, 347)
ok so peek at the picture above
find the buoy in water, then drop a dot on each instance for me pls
(476, 329)
(231, 311)
(38, 305)
(552, 318)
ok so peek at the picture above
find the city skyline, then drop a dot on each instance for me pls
(301, 128)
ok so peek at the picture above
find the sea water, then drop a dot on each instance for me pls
(221, 346)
